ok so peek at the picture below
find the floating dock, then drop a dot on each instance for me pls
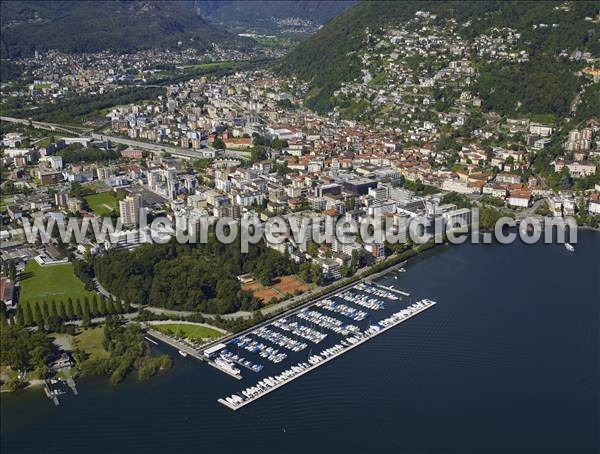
(222, 369)
(390, 289)
(396, 319)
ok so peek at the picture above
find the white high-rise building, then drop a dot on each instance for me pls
(130, 209)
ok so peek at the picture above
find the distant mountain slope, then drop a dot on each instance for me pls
(88, 26)
(329, 58)
(264, 15)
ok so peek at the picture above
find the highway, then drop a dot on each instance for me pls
(160, 148)
(48, 126)
(157, 148)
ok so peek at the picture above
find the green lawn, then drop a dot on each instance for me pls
(56, 282)
(6, 200)
(195, 332)
(217, 64)
(102, 204)
(91, 341)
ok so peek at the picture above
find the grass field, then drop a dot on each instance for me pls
(6, 200)
(57, 282)
(218, 64)
(102, 204)
(195, 332)
(90, 341)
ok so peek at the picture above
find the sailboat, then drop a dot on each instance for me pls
(181, 352)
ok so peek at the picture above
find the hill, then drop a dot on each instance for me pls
(90, 26)
(330, 56)
(272, 17)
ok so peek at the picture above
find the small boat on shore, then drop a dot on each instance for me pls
(150, 340)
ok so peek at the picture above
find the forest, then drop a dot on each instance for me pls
(540, 86)
(76, 109)
(76, 153)
(199, 277)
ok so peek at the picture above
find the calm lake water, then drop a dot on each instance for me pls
(506, 362)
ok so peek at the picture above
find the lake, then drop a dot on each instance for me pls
(506, 362)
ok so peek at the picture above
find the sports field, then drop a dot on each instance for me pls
(55, 282)
(103, 204)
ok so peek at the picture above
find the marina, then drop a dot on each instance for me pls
(339, 320)
(406, 370)
(271, 383)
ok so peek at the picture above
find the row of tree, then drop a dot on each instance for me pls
(54, 313)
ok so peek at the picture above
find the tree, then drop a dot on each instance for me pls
(565, 181)
(41, 371)
(69, 311)
(12, 271)
(36, 313)
(86, 320)
(218, 144)
(61, 310)
(27, 313)
(92, 306)
(45, 311)
(488, 217)
(103, 306)
(77, 308)
(14, 384)
(85, 308)
(52, 311)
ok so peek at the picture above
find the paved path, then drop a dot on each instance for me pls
(171, 322)
(527, 212)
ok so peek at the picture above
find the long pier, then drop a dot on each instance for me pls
(390, 289)
(326, 360)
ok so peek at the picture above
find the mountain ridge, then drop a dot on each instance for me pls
(90, 26)
(329, 57)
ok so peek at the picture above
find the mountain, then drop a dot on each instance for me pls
(272, 17)
(89, 26)
(330, 56)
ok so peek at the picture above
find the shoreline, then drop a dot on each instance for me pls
(394, 261)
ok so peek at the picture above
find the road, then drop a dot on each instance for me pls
(76, 130)
(531, 210)
(160, 148)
